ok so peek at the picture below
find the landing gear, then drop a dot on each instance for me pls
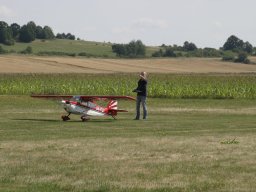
(84, 118)
(65, 117)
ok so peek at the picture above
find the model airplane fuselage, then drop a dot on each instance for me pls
(87, 106)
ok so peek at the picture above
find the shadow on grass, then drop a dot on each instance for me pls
(71, 121)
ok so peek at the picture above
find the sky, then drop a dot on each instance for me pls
(207, 23)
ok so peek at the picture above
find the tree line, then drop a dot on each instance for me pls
(234, 49)
(233, 44)
(132, 49)
(27, 33)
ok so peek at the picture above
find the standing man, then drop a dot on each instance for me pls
(141, 91)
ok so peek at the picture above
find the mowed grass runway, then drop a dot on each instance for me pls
(185, 145)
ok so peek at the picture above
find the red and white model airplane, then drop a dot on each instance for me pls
(86, 105)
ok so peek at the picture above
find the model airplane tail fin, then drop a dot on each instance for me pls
(112, 105)
(112, 108)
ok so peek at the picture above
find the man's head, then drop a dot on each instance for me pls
(143, 75)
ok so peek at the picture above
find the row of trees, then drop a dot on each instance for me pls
(27, 33)
(138, 49)
(65, 36)
(234, 49)
(133, 49)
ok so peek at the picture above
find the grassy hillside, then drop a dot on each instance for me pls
(69, 46)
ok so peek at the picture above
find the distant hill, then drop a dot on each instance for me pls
(95, 49)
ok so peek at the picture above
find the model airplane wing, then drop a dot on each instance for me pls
(83, 97)
(52, 96)
(96, 97)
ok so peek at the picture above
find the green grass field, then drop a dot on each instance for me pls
(185, 145)
(97, 49)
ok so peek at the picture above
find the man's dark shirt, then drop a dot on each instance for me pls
(142, 87)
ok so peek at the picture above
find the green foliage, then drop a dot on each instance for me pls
(162, 86)
(189, 46)
(133, 49)
(9, 42)
(28, 50)
(15, 30)
(158, 53)
(39, 32)
(211, 52)
(44, 33)
(3, 31)
(228, 56)
(254, 51)
(56, 53)
(242, 58)
(2, 51)
(83, 54)
(168, 52)
(233, 43)
(66, 36)
(27, 34)
(247, 47)
(6, 35)
(174, 51)
(47, 33)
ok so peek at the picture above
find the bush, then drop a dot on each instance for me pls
(211, 52)
(28, 50)
(242, 58)
(228, 56)
(169, 53)
(133, 49)
(82, 54)
(158, 53)
(2, 51)
(56, 53)
(9, 42)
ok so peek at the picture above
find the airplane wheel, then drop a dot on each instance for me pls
(65, 118)
(84, 118)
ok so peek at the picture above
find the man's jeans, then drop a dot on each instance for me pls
(142, 100)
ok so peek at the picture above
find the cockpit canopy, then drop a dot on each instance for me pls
(76, 98)
(85, 103)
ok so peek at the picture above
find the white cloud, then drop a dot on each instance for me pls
(6, 12)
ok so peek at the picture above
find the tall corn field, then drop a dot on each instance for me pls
(159, 85)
